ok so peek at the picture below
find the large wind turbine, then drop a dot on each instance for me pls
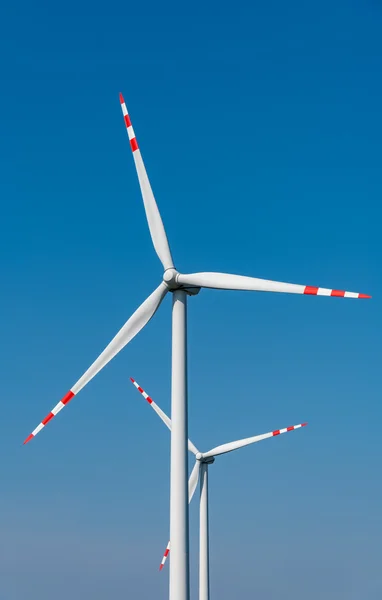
(200, 470)
(180, 286)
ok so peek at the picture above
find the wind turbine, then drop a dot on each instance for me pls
(200, 470)
(180, 286)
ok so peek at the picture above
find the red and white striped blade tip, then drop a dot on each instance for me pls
(63, 402)
(310, 290)
(141, 390)
(291, 428)
(165, 555)
(129, 128)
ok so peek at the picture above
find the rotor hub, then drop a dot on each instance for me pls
(169, 277)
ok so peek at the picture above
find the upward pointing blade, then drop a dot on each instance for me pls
(166, 420)
(137, 321)
(224, 448)
(157, 231)
(224, 281)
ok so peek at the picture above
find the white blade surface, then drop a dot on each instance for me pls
(193, 481)
(166, 420)
(157, 231)
(192, 484)
(224, 448)
(130, 329)
(224, 281)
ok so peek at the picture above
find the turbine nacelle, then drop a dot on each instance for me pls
(207, 460)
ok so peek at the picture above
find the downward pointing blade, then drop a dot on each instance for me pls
(157, 231)
(130, 329)
(192, 484)
(193, 481)
(166, 420)
(224, 448)
(165, 555)
(224, 281)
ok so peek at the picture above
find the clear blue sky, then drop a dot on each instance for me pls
(261, 131)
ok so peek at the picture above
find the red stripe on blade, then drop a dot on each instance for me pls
(277, 432)
(338, 293)
(134, 144)
(363, 296)
(127, 121)
(121, 99)
(290, 428)
(67, 398)
(29, 438)
(312, 291)
(47, 419)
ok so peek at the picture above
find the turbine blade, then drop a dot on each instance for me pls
(165, 555)
(224, 281)
(224, 448)
(192, 484)
(157, 231)
(193, 481)
(130, 329)
(166, 420)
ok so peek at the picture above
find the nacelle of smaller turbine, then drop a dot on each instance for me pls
(207, 460)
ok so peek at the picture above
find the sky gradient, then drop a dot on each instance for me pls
(260, 127)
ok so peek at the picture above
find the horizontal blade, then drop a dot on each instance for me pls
(130, 329)
(161, 414)
(192, 484)
(224, 281)
(245, 442)
(157, 231)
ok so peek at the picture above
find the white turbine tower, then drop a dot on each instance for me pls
(180, 286)
(200, 470)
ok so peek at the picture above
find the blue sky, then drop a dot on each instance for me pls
(261, 129)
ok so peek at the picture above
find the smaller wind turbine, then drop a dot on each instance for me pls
(200, 470)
